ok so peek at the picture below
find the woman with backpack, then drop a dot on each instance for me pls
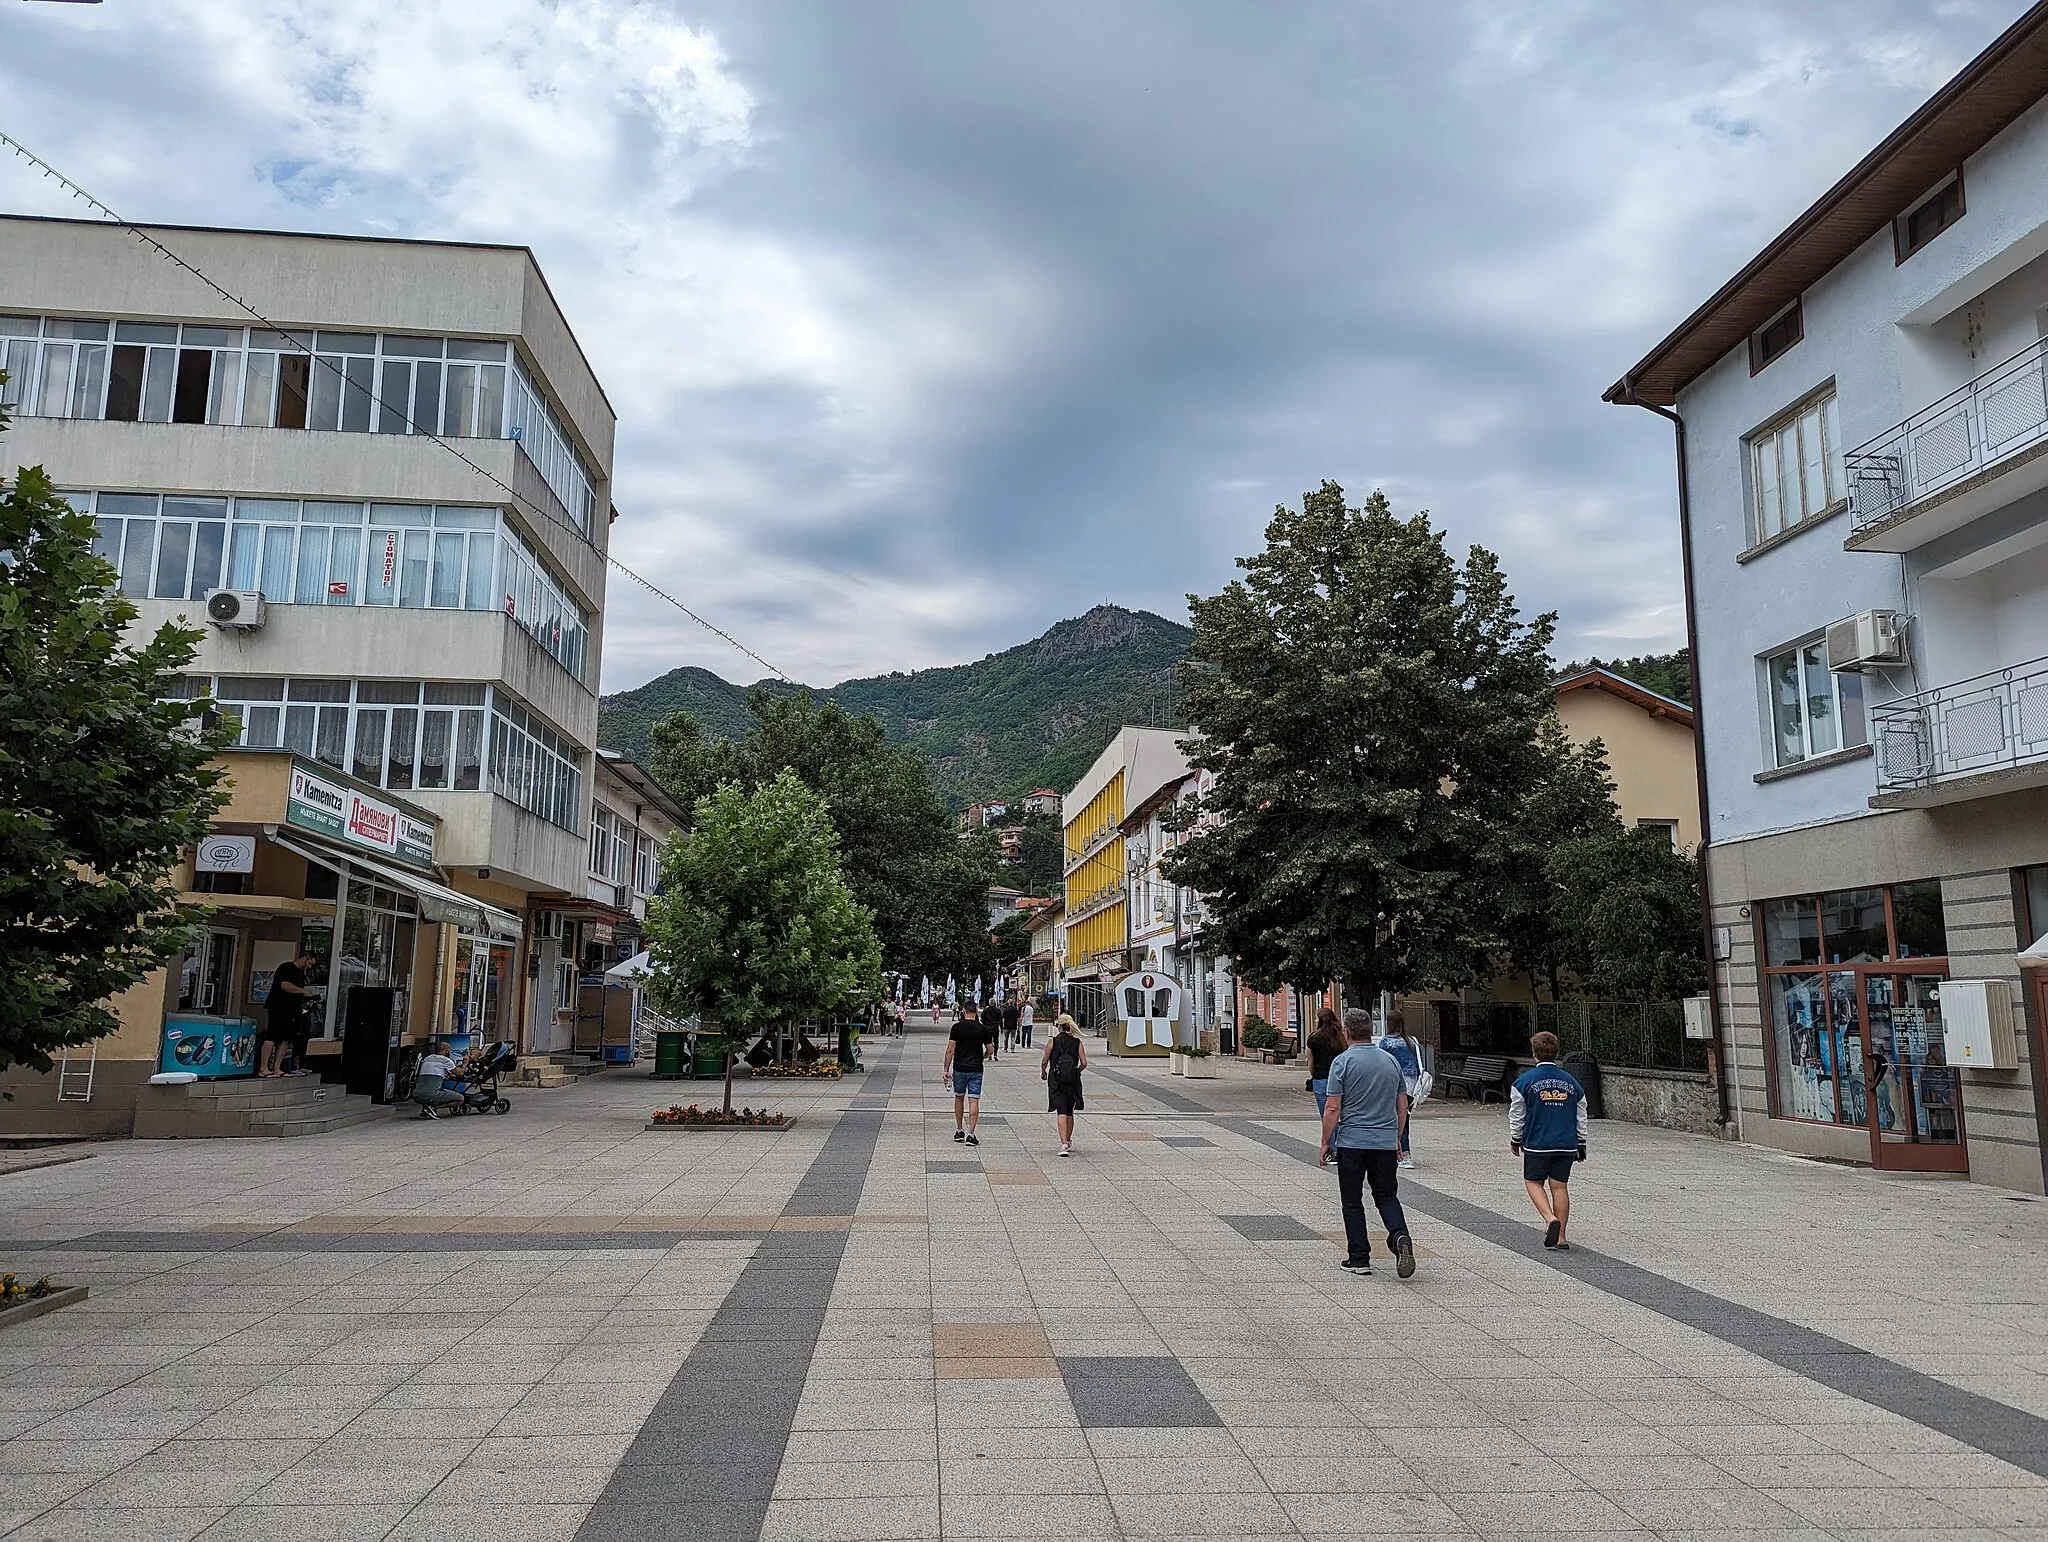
(1060, 1068)
(1414, 1079)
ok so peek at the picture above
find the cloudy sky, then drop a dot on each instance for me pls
(930, 323)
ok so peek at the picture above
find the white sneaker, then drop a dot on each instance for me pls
(1066, 1151)
(1405, 1162)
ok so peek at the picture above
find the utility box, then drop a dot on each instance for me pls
(1977, 1024)
(1699, 1018)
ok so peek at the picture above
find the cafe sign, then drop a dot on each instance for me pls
(341, 813)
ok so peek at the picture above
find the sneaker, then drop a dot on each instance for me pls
(1357, 1266)
(1405, 1162)
(959, 1135)
(1404, 1256)
(1550, 1234)
(973, 1140)
(1066, 1151)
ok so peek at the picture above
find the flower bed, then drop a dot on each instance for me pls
(820, 1070)
(695, 1118)
(20, 1302)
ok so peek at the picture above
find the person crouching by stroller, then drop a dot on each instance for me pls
(430, 1088)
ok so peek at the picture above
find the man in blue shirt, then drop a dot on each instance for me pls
(1361, 1127)
(1547, 1130)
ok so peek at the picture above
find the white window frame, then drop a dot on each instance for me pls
(1848, 727)
(1797, 449)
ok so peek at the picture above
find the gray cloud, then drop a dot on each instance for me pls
(930, 323)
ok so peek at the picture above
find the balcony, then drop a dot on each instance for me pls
(1976, 450)
(1973, 739)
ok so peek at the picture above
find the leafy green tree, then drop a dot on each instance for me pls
(1371, 711)
(1040, 865)
(1572, 797)
(903, 858)
(1668, 674)
(1012, 941)
(102, 782)
(755, 927)
(1628, 907)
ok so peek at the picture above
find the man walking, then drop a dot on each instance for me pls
(1361, 1127)
(1547, 1130)
(1024, 1024)
(965, 1049)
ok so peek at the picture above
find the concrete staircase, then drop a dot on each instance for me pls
(561, 1069)
(290, 1105)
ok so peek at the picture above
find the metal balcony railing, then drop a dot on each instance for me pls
(1992, 722)
(1996, 416)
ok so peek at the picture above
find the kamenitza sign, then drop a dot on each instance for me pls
(342, 813)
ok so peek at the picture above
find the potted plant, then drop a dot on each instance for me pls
(1259, 1035)
(1197, 1062)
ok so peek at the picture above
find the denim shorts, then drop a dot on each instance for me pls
(967, 1084)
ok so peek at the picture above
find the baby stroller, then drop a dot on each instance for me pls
(477, 1094)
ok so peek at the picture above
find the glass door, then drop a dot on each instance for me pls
(1914, 1097)
(206, 975)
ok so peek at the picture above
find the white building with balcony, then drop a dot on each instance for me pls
(1863, 487)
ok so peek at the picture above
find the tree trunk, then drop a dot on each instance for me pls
(728, 1081)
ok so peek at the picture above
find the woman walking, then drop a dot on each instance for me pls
(1060, 1068)
(1324, 1046)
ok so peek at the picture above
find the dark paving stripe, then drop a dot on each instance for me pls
(377, 1242)
(1187, 1142)
(952, 1167)
(703, 1466)
(1271, 1228)
(1135, 1392)
(1995, 1428)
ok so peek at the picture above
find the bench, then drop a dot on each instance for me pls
(1482, 1076)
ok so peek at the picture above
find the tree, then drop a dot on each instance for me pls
(1628, 908)
(903, 859)
(102, 782)
(755, 927)
(1012, 940)
(1668, 674)
(1371, 711)
(1572, 797)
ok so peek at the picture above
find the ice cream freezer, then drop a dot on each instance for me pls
(209, 1046)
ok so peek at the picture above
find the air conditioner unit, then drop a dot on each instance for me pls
(235, 607)
(1869, 637)
(1977, 1024)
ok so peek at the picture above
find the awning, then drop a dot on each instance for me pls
(2035, 957)
(638, 967)
(437, 901)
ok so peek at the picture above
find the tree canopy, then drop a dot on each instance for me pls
(102, 781)
(1628, 909)
(1372, 712)
(1572, 797)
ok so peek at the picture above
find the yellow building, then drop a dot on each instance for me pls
(1649, 741)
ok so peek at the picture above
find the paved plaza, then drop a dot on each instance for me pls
(559, 1324)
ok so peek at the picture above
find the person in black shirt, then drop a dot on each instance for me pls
(965, 1050)
(285, 1016)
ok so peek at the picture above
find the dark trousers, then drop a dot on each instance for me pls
(1355, 1171)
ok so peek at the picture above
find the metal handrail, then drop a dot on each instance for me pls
(2000, 413)
(1989, 722)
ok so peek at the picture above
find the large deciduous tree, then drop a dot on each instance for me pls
(1628, 910)
(102, 782)
(1372, 711)
(755, 926)
(1571, 798)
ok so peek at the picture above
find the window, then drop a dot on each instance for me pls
(1777, 336)
(397, 734)
(532, 765)
(1813, 710)
(1669, 827)
(1796, 471)
(646, 851)
(610, 843)
(1928, 218)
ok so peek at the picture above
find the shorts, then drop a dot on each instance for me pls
(967, 1084)
(1063, 1096)
(1554, 1166)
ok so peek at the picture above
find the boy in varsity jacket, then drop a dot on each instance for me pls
(1547, 1130)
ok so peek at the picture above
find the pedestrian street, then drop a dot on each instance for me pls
(561, 1324)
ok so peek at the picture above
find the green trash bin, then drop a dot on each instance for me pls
(709, 1061)
(671, 1055)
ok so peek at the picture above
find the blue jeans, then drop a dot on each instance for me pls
(1320, 1086)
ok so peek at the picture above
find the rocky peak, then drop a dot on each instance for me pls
(1106, 626)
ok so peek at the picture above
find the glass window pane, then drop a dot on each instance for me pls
(448, 569)
(1831, 430)
(490, 401)
(294, 371)
(344, 558)
(330, 737)
(1852, 926)
(1812, 463)
(259, 385)
(398, 757)
(242, 557)
(412, 347)
(136, 558)
(469, 752)
(314, 689)
(395, 405)
(1801, 1066)
(56, 380)
(173, 560)
(1917, 918)
(251, 688)
(17, 358)
(220, 388)
(355, 395)
(1786, 718)
(458, 414)
(1821, 734)
(401, 516)
(323, 511)
(1791, 932)
(426, 398)
(259, 727)
(312, 586)
(369, 760)
(88, 387)
(457, 517)
(159, 375)
(106, 541)
(478, 594)
(271, 511)
(380, 576)
(206, 557)
(345, 342)
(434, 736)
(1849, 701)
(298, 729)
(449, 694)
(412, 576)
(325, 409)
(277, 562)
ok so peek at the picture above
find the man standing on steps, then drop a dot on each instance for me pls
(965, 1049)
(1362, 1128)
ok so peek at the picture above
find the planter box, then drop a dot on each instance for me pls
(56, 1300)
(1179, 1063)
(1200, 1067)
(726, 1129)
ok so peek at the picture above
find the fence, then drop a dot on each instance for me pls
(1646, 1035)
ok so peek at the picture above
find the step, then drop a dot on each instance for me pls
(321, 1124)
(288, 1093)
(336, 1099)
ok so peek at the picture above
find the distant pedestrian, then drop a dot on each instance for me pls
(1009, 1011)
(1060, 1068)
(1547, 1130)
(1408, 1055)
(966, 1048)
(286, 1029)
(1361, 1129)
(1025, 1020)
(1325, 1044)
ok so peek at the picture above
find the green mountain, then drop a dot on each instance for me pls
(1032, 716)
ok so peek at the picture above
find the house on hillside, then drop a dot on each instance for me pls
(1650, 752)
(1042, 800)
(1863, 490)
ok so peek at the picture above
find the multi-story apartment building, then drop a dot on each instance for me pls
(1863, 490)
(386, 506)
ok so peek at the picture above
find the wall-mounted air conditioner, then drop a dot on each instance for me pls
(235, 608)
(1870, 637)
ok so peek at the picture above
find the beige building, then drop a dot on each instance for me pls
(1649, 743)
(386, 505)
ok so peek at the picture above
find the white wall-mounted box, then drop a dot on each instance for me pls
(1699, 1018)
(1977, 1024)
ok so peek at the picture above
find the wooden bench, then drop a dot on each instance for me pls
(1482, 1076)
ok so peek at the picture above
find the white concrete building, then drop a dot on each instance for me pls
(387, 506)
(1864, 500)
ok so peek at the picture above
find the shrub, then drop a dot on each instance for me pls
(1259, 1034)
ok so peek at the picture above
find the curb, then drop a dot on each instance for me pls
(56, 1300)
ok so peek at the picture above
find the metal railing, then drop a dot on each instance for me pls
(1645, 1035)
(1990, 722)
(1997, 415)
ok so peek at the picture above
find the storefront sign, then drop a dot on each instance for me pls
(225, 854)
(335, 810)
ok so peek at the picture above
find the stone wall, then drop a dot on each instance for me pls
(1670, 1100)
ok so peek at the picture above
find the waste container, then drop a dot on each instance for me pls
(671, 1055)
(1587, 1071)
(709, 1060)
